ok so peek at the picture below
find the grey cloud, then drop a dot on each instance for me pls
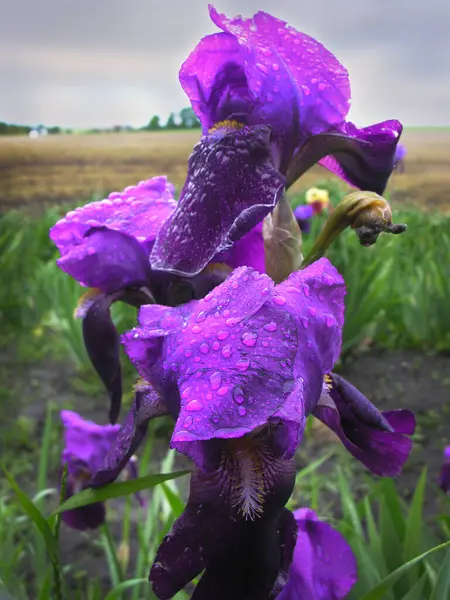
(124, 55)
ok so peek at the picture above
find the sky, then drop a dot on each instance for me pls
(98, 63)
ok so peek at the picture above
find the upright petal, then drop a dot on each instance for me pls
(379, 440)
(324, 566)
(299, 87)
(231, 186)
(213, 77)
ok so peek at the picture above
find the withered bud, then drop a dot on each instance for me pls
(282, 242)
(366, 212)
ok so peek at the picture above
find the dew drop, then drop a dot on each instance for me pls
(222, 335)
(242, 364)
(249, 338)
(216, 380)
(272, 326)
(204, 348)
(226, 351)
(312, 311)
(304, 321)
(223, 390)
(194, 406)
(186, 392)
(242, 411)
(275, 67)
(215, 419)
(280, 300)
(216, 345)
(201, 316)
(196, 329)
(226, 313)
(329, 321)
(188, 422)
(231, 322)
(238, 395)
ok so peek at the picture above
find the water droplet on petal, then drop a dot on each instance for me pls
(242, 411)
(216, 380)
(280, 300)
(226, 351)
(196, 329)
(223, 390)
(204, 348)
(186, 392)
(215, 419)
(276, 67)
(188, 422)
(194, 406)
(238, 395)
(304, 321)
(232, 321)
(329, 320)
(222, 335)
(242, 364)
(312, 311)
(249, 338)
(201, 316)
(226, 313)
(216, 345)
(272, 326)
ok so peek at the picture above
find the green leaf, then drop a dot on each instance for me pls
(116, 490)
(414, 525)
(35, 515)
(441, 590)
(349, 506)
(176, 504)
(392, 503)
(385, 584)
(125, 585)
(415, 593)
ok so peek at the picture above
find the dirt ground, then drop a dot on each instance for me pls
(38, 173)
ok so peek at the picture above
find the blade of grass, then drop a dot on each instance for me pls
(385, 584)
(116, 490)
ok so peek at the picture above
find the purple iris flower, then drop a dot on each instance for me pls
(304, 213)
(444, 481)
(86, 445)
(272, 102)
(239, 372)
(105, 245)
(324, 566)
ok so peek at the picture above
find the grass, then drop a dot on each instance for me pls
(396, 550)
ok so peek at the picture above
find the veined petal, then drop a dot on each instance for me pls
(378, 440)
(137, 211)
(231, 186)
(108, 260)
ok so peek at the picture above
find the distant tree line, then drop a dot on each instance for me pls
(185, 119)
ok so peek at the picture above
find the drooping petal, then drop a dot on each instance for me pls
(242, 557)
(444, 479)
(363, 158)
(324, 566)
(108, 260)
(85, 445)
(147, 405)
(378, 440)
(102, 343)
(299, 88)
(85, 517)
(137, 211)
(231, 186)
(244, 341)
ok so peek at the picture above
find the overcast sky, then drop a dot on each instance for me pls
(86, 63)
